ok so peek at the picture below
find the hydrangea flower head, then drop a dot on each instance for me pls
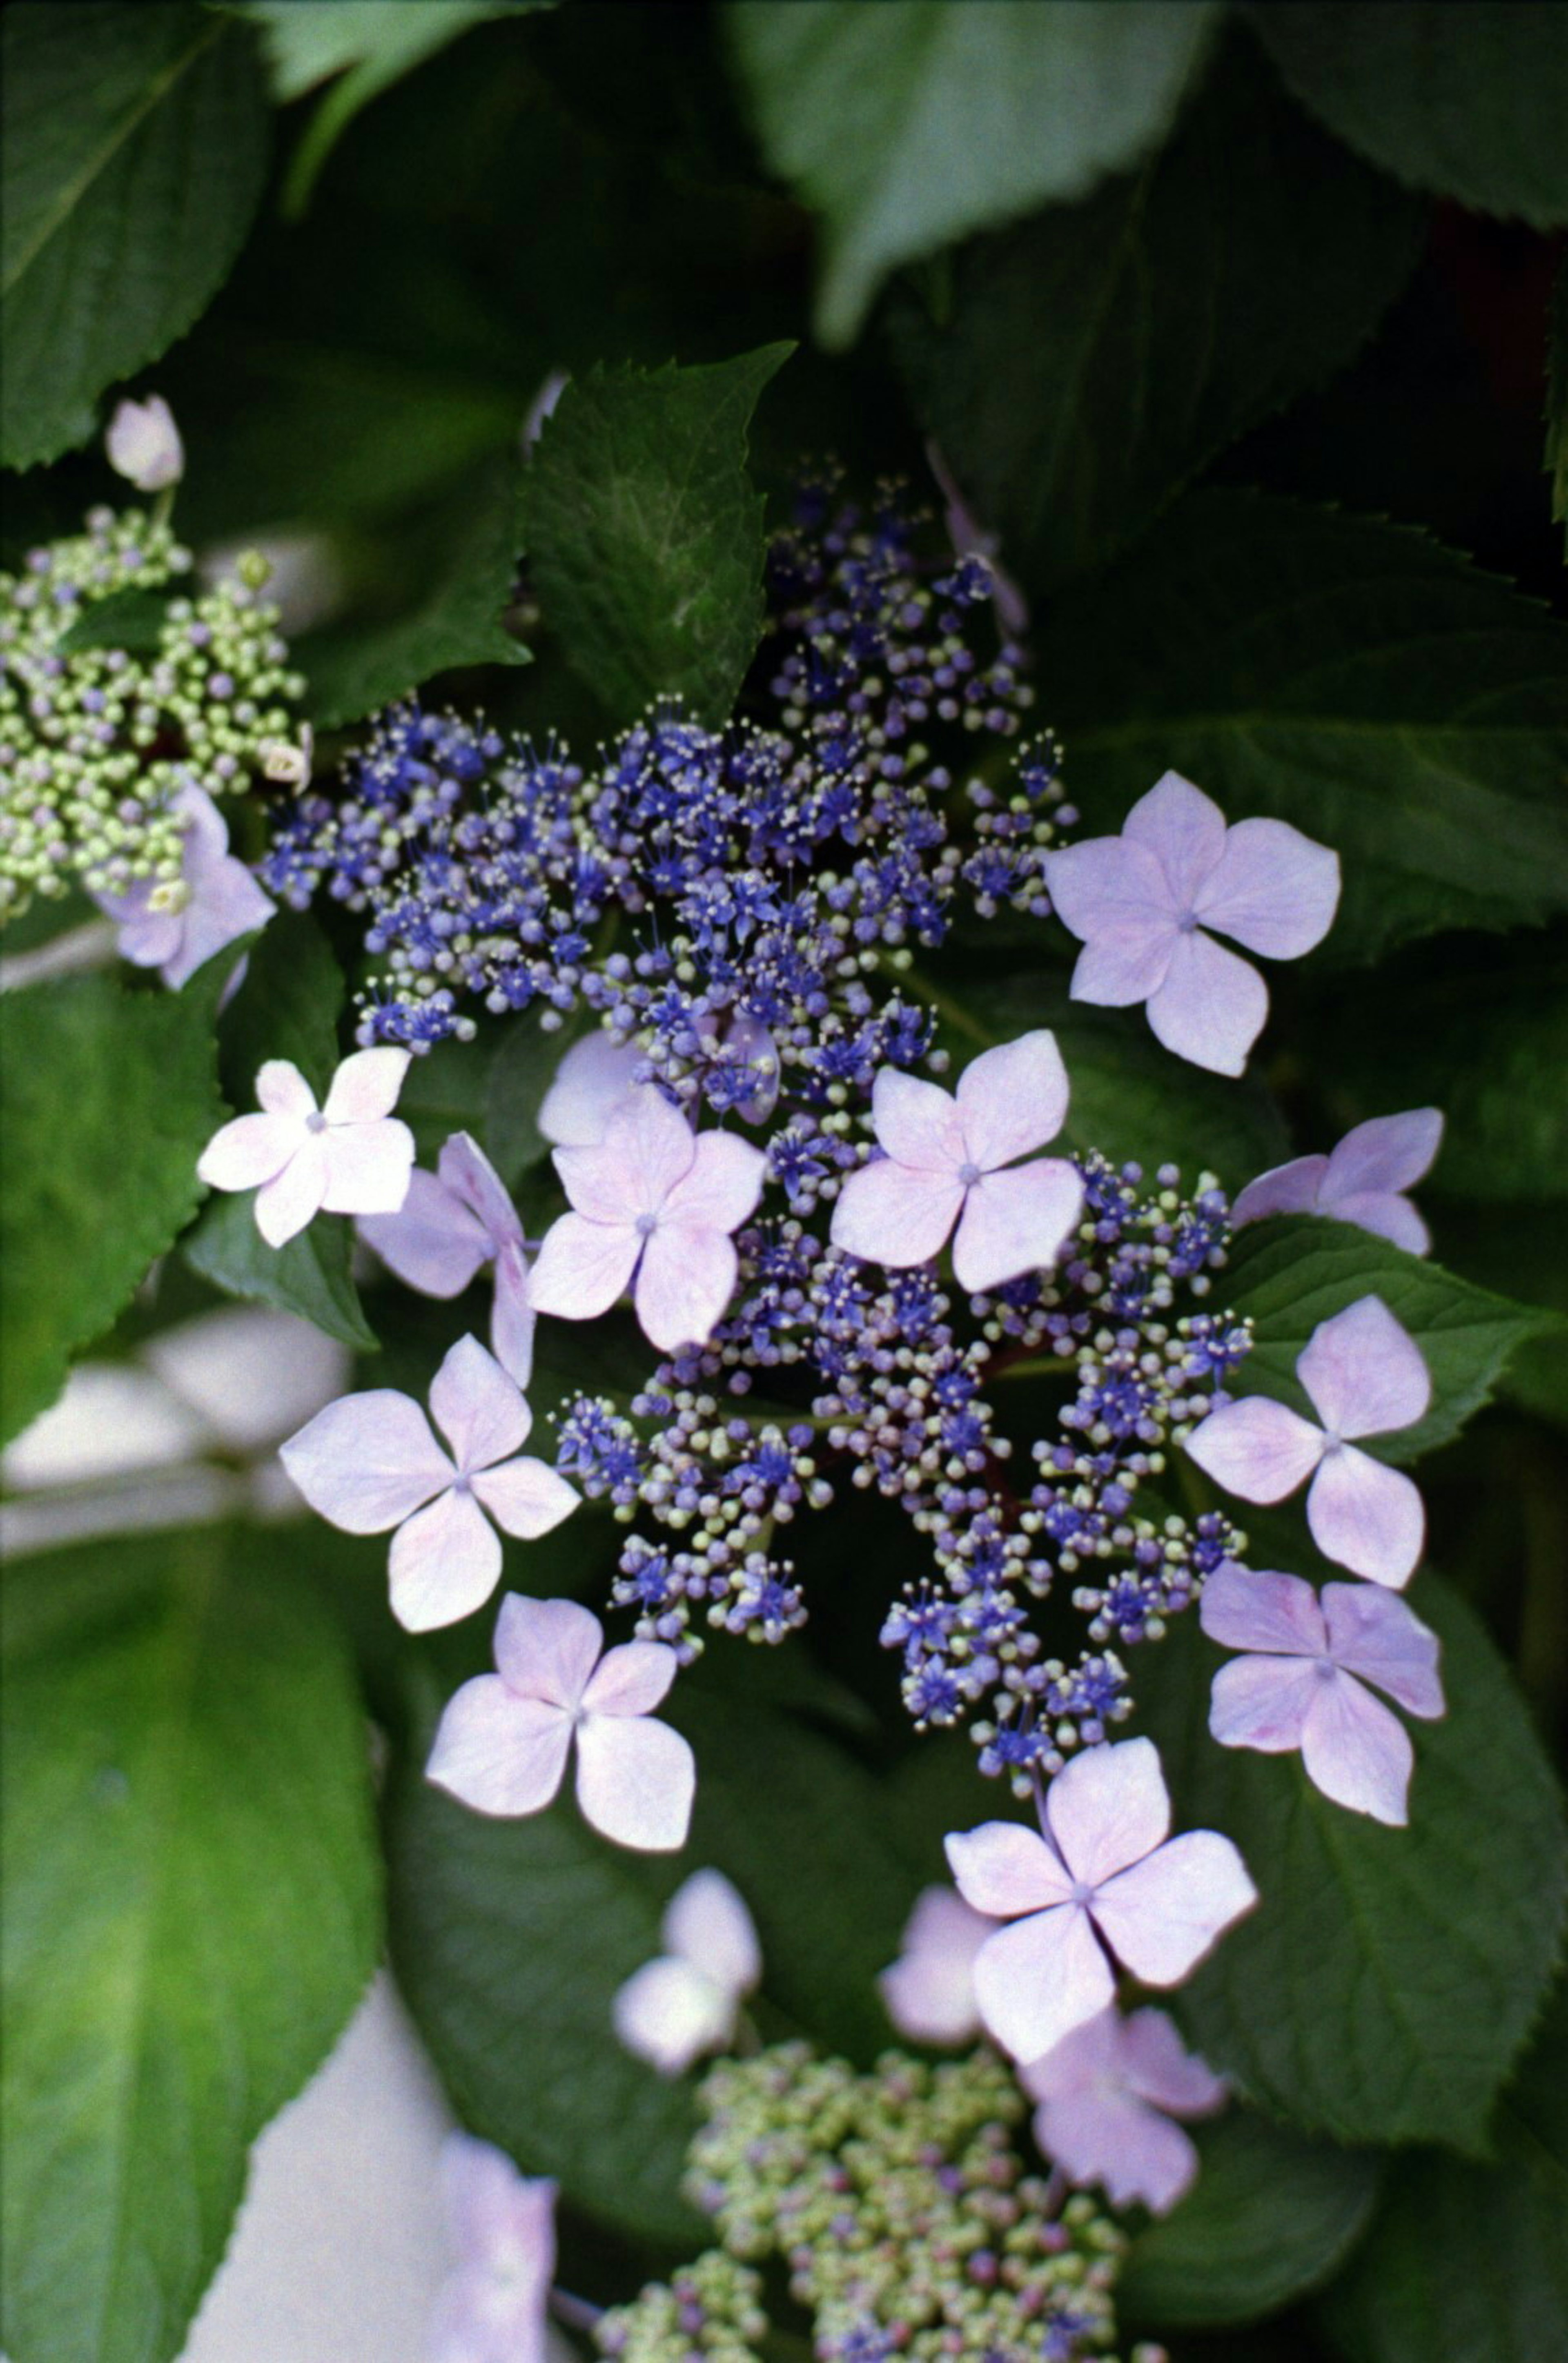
(1147, 905)
(949, 1159)
(222, 900)
(1108, 2093)
(653, 1207)
(503, 1740)
(451, 1222)
(1365, 1375)
(350, 1156)
(143, 444)
(929, 1989)
(1361, 1182)
(1105, 1879)
(492, 2308)
(370, 1461)
(687, 2000)
(1302, 1684)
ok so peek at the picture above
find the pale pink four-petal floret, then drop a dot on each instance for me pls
(929, 1989)
(1147, 905)
(142, 443)
(1302, 1684)
(452, 1222)
(1365, 1375)
(653, 1206)
(686, 2002)
(949, 1159)
(370, 1461)
(1107, 1880)
(504, 1741)
(222, 901)
(1361, 1182)
(1108, 2093)
(493, 2306)
(351, 1156)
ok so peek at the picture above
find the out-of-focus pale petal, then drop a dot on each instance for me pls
(226, 902)
(929, 1989)
(1185, 832)
(433, 1243)
(1113, 2138)
(1246, 1610)
(1365, 1516)
(1364, 1371)
(498, 1753)
(547, 1649)
(1038, 1980)
(670, 2014)
(1290, 1188)
(496, 2216)
(282, 1090)
(1156, 2065)
(1111, 887)
(755, 1049)
(1109, 1806)
(1357, 1752)
(294, 1197)
(477, 1407)
(582, 1267)
(636, 1779)
(468, 1174)
(250, 1150)
(593, 1081)
(706, 1923)
(1273, 889)
(512, 1316)
(1015, 1222)
(526, 1497)
(1212, 1007)
(1380, 1637)
(142, 444)
(444, 1563)
(631, 1679)
(1012, 1099)
(1386, 1216)
(1124, 963)
(1256, 1448)
(368, 1165)
(893, 1214)
(918, 1123)
(1160, 1917)
(1387, 1153)
(722, 1187)
(1003, 1869)
(1264, 1703)
(366, 1085)
(368, 1462)
(685, 1282)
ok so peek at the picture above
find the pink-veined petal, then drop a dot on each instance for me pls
(1358, 1752)
(1012, 1100)
(294, 1197)
(547, 1649)
(499, 1753)
(1290, 1188)
(655, 1145)
(1256, 1448)
(706, 1923)
(929, 1989)
(477, 1407)
(1364, 1373)
(1137, 2156)
(1377, 1636)
(685, 1282)
(892, 1215)
(366, 1085)
(526, 1498)
(1161, 1916)
(1109, 1806)
(1273, 889)
(1212, 1007)
(600, 1182)
(631, 1679)
(1365, 1516)
(282, 1090)
(512, 1316)
(670, 2014)
(250, 1150)
(1264, 1703)
(1124, 964)
(468, 1174)
(582, 1267)
(635, 1779)
(1108, 889)
(722, 1187)
(368, 1462)
(1003, 1869)
(593, 1081)
(369, 1166)
(1041, 1978)
(433, 1243)
(1246, 1610)
(1156, 2065)
(1386, 1216)
(445, 1562)
(1015, 1222)
(1185, 832)
(916, 1122)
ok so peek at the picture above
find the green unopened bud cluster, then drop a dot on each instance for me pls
(712, 2308)
(97, 743)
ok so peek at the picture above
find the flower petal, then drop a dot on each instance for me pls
(1212, 1007)
(1377, 1636)
(1264, 1703)
(591, 1083)
(293, 1198)
(497, 1752)
(1156, 2065)
(226, 902)
(477, 1407)
(497, 2217)
(631, 1679)
(512, 1316)
(1364, 1371)
(250, 1150)
(916, 1122)
(654, 1146)
(1038, 1980)
(685, 1282)
(1273, 889)
(433, 1243)
(1358, 1752)
(444, 1564)
(1012, 1099)
(722, 1187)
(365, 1086)
(1256, 1448)
(582, 1267)
(1386, 1216)
(468, 1174)
(1185, 832)
(282, 1090)
(636, 1779)
(1109, 1806)
(896, 1216)
(368, 1462)
(1015, 1222)
(1388, 1152)
(706, 1923)
(669, 2013)
(1124, 964)
(1138, 2156)
(1160, 1917)
(369, 1166)
(1243, 1609)
(526, 1498)
(1365, 1516)
(547, 1649)
(929, 1989)
(1290, 1188)
(1003, 1869)
(1110, 890)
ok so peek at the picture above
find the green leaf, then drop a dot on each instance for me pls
(645, 538)
(310, 1274)
(1469, 2264)
(448, 1090)
(192, 1914)
(1075, 382)
(511, 1937)
(1344, 675)
(1383, 1989)
(1293, 1271)
(1557, 397)
(521, 1074)
(110, 1098)
(913, 123)
(130, 619)
(287, 1008)
(136, 144)
(1466, 98)
(1270, 2217)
